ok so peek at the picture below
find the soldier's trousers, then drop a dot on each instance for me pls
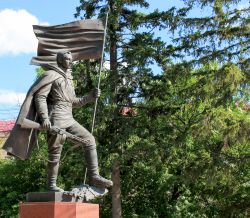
(55, 144)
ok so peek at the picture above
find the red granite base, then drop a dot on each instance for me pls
(58, 210)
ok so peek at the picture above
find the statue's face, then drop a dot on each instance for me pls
(67, 61)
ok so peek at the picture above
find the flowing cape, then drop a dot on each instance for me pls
(21, 141)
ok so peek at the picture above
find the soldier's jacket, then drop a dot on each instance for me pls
(46, 88)
(56, 100)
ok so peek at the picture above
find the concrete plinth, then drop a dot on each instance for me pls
(58, 210)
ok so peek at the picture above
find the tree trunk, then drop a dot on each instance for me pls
(116, 191)
(113, 58)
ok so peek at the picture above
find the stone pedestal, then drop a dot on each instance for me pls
(52, 197)
(58, 210)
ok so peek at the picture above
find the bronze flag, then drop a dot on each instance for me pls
(84, 39)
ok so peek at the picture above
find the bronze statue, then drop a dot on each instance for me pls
(50, 101)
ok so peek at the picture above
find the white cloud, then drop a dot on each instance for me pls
(11, 97)
(16, 32)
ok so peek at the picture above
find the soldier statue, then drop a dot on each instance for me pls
(50, 101)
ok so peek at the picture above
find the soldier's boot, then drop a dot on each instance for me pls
(92, 165)
(52, 177)
(55, 148)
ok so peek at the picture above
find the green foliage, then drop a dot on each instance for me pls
(192, 158)
(18, 178)
(221, 34)
(182, 153)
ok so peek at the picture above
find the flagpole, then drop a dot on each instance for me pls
(100, 70)
(99, 80)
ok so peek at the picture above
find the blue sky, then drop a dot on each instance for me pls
(18, 43)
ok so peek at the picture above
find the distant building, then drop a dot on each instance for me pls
(5, 128)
